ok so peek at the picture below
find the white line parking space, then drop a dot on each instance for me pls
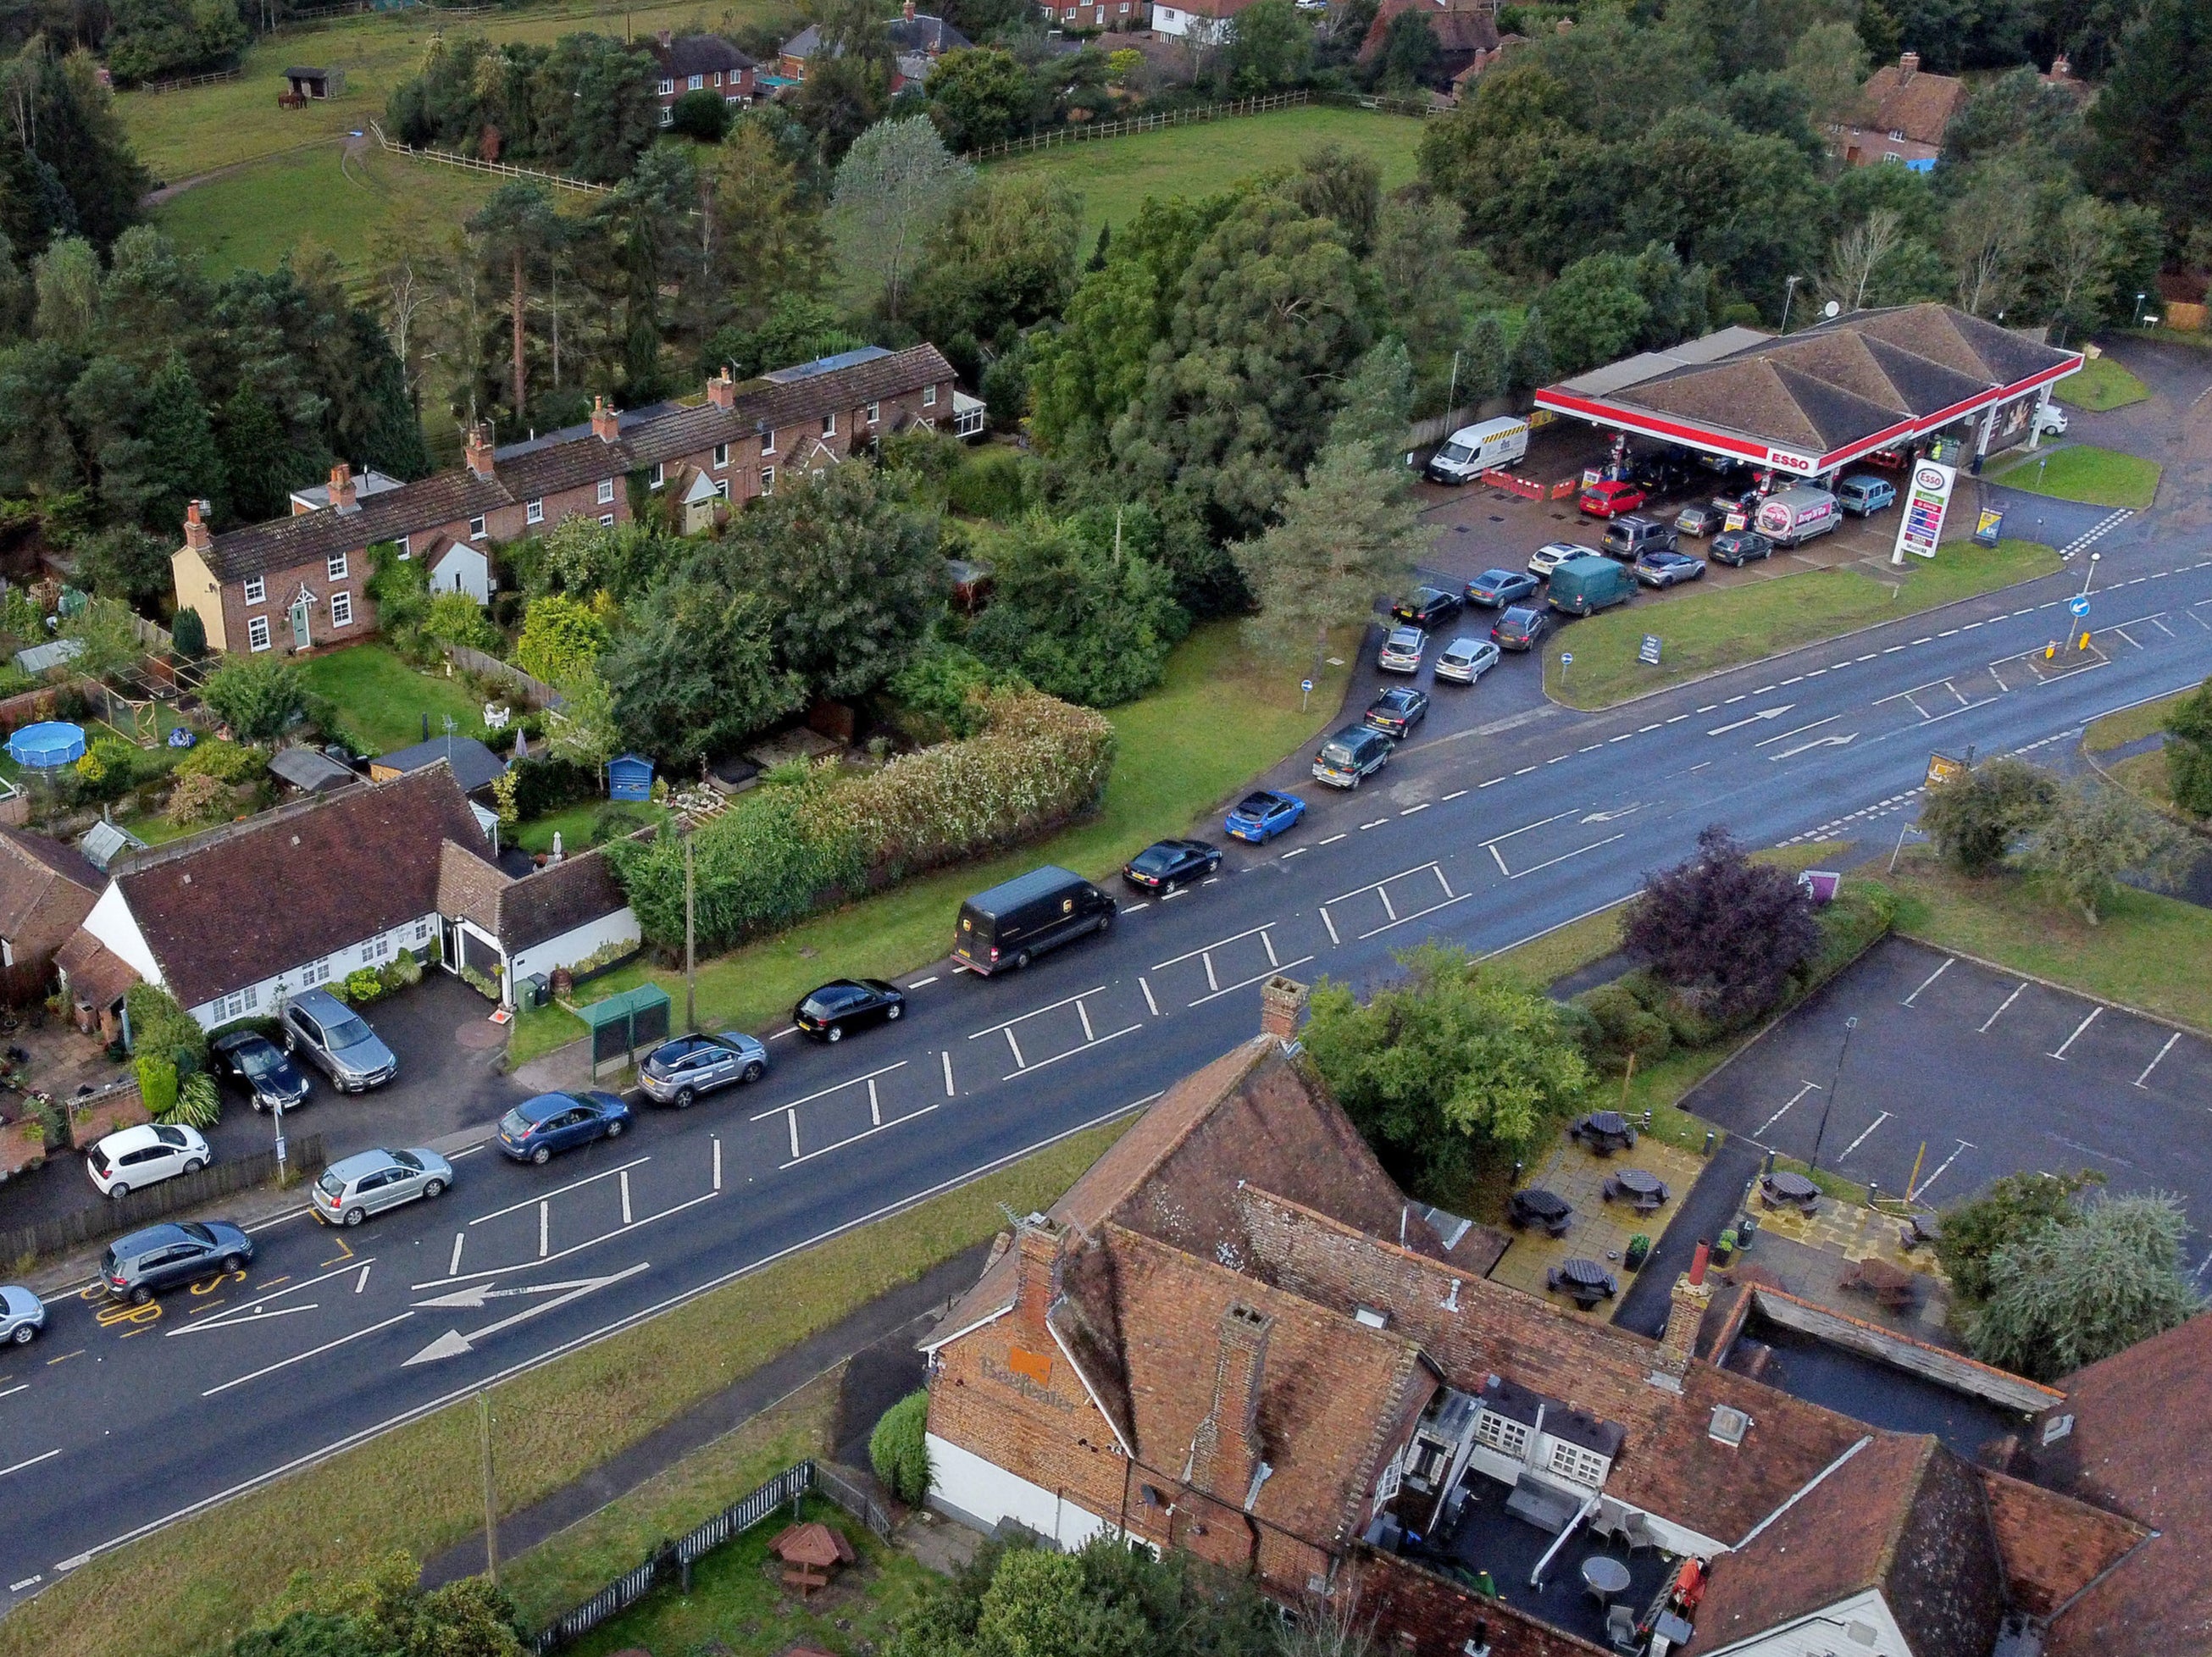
(1420, 891)
(1075, 1018)
(1251, 954)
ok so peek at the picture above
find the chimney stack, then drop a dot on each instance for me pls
(1282, 1002)
(722, 391)
(604, 424)
(2061, 67)
(1909, 64)
(196, 538)
(476, 452)
(1686, 1310)
(342, 488)
(1036, 1270)
(1224, 1454)
(666, 37)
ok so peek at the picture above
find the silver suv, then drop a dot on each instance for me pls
(338, 1042)
(679, 1071)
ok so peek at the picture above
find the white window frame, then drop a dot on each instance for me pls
(875, 412)
(477, 529)
(668, 115)
(421, 932)
(767, 480)
(696, 83)
(406, 552)
(1502, 1435)
(336, 561)
(659, 473)
(829, 425)
(606, 520)
(534, 513)
(341, 609)
(257, 589)
(668, 86)
(929, 396)
(722, 488)
(768, 441)
(721, 456)
(1581, 1467)
(257, 633)
(606, 490)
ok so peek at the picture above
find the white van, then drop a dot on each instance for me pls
(1473, 450)
(1793, 516)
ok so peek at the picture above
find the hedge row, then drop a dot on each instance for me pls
(791, 847)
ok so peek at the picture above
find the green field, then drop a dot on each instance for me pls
(2094, 477)
(383, 701)
(1114, 175)
(2101, 385)
(1726, 627)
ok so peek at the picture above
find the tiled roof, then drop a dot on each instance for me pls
(474, 765)
(2052, 1545)
(557, 899)
(468, 886)
(306, 536)
(291, 885)
(1916, 103)
(34, 870)
(932, 36)
(698, 54)
(1456, 28)
(96, 976)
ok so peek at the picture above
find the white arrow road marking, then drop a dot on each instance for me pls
(1767, 713)
(473, 1297)
(1795, 731)
(1610, 817)
(1817, 742)
(454, 1344)
(251, 1310)
(301, 1357)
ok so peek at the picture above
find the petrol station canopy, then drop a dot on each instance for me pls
(1811, 402)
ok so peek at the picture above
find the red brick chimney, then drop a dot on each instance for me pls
(196, 538)
(1037, 1271)
(604, 424)
(722, 391)
(341, 489)
(476, 452)
(1686, 1310)
(1908, 66)
(1282, 1001)
(1224, 1453)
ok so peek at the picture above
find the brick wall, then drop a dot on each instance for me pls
(1420, 1614)
(279, 587)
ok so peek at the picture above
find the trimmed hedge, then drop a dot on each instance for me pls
(899, 1449)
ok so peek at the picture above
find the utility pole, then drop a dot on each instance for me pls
(691, 963)
(1829, 1103)
(1789, 292)
(491, 1511)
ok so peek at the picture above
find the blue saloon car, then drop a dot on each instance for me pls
(535, 1129)
(1263, 814)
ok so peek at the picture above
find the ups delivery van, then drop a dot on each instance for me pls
(1013, 924)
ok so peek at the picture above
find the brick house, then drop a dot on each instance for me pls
(1205, 23)
(917, 41)
(1466, 33)
(299, 582)
(1120, 15)
(47, 889)
(1233, 1335)
(1902, 116)
(699, 62)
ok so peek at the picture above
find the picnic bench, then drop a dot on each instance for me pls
(811, 1553)
(1893, 1288)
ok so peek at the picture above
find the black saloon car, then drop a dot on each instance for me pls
(845, 1005)
(1397, 711)
(269, 1075)
(1739, 547)
(1167, 864)
(1427, 607)
(1520, 628)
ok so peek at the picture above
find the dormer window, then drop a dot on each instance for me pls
(1507, 1437)
(1573, 1462)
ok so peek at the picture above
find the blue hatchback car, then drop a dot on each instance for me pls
(1263, 814)
(1494, 589)
(537, 1127)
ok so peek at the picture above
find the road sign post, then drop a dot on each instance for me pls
(1566, 661)
(1305, 690)
(2079, 605)
(1647, 652)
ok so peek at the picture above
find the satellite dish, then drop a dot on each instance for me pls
(1831, 309)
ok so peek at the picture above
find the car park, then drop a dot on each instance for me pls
(1610, 497)
(1628, 538)
(844, 1005)
(1553, 554)
(1701, 518)
(1465, 660)
(1350, 756)
(1018, 919)
(338, 1042)
(1427, 607)
(140, 1265)
(350, 1190)
(1663, 567)
(1739, 547)
(1494, 589)
(1167, 864)
(132, 1158)
(261, 1067)
(1397, 711)
(1863, 496)
(1520, 628)
(23, 1315)
(679, 1071)
(1402, 651)
(538, 1128)
(1263, 814)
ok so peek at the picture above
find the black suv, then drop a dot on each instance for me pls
(137, 1267)
(1427, 607)
(1629, 538)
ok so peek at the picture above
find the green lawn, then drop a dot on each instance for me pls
(1724, 627)
(2118, 730)
(2141, 954)
(574, 825)
(2083, 472)
(1114, 175)
(383, 701)
(2101, 385)
(1218, 720)
(190, 1588)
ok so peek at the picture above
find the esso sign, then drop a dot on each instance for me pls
(1789, 462)
(1930, 478)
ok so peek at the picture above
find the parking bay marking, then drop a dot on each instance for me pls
(1950, 961)
(2095, 1012)
(301, 1357)
(573, 1185)
(251, 1312)
(1491, 846)
(1809, 1087)
(2000, 1012)
(1379, 888)
(2140, 1080)
(1861, 1139)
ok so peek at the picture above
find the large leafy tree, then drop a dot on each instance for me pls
(978, 97)
(66, 163)
(1975, 818)
(257, 696)
(2189, 751)
(2007, 1211)
(517, 227)
(1002, 262)
(1272, 48)
(1081, 607)
(2067, 1295)
(896, 185)
(696, 671)
(1725, 931)
(2153, 118)
(2095, 835)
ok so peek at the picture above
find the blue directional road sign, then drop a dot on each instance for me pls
(2079, 604)
(1566, 658)
(1306, 685)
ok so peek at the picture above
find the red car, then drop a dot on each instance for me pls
(1610, 497)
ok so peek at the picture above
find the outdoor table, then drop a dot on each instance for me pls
(1586, 1280)
(1641, 1182)
(1536, 1206)
(1604, 1576)
(1605, 1132)
(1783, 1186)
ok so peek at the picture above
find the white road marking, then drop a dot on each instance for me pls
(2140, 1080)
(574, 1248)
(1410, 809)
(360, 1282)
(1798, 731)
(32, 1581)
(793, 1121)
(2093, 1013)
(1817, 742)
(1331, 925)
(788, 1029)
(1562, 858)
(251, 1309)
(544, 1230)
(1299, 852)
(716, 1142)
(453, 1266)
(947, 1057)
(1141, 985)
(1524, 770)
(2000, 1012)
(1082, 1012)
(1332, 839)
(19, 1467)
(1949, 961)
(625, 1188)
(20, 1386)
(1020, 1063)
(1456, 792)
(1751, 718)
(453, 1343)
(1861, 1139)
(1377, 823)
(1809, 1087)
(1708, 708)
(1229, 989)
(1921, 1189)
(923, 983)
(573, 1185)
(314, 1352)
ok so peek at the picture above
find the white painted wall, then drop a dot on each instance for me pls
(984, 1492)
(1190, 25)
(464, 568)
(572, 946)
(111, 922)
(1859, 1626)
(262, 999)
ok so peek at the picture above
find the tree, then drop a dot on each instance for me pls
(561, 639)
(2007, 1211)
(2066, 1295)
(696, 671)
(1828, 64)
(1270, 47)
(1449, 1070)
(257, 696)
(980, 98)
(106, 634)
(1858, 253)
(1725, 931)
(1411, 58)
(768, 248)
(899, 1449)
(181, 460)
(1594, 312)
(1423, 277)
(1002, 261)
(518, 226)
(1974, 818)
(1080, 606)
(2189, 751)
(1532, 352)
(1484, 371)
(127, 564)
(583, 731)
(1987, 238)
(2153, 143)
(188, 633)
(2095, 835)
(702, 115)
(894, 186)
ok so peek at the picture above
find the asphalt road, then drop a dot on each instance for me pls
(118, 1419)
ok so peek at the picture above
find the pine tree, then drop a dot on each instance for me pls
(1098, 253)
(182, 460)
(257, 459)
(1485, 371)
(1532, 353)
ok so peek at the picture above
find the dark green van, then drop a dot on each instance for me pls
(1583, 587)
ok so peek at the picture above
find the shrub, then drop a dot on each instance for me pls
(225, 762)
(455, 618)
(1617, 1025)
(257, 696)
(104, 771)
(2067, 1294)
(403, 971)
(363, 985)
(2189, 751)
(2007, 1211)
(547, 785)
(1974, 818)
(899, 1449)
(157, 1085)
(702, 115)
(162, 1027)
(1727, 933)
(198, 1104)
(198, 798)
(561, 638)
(188, 635)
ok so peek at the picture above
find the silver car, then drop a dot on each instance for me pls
(679, 1071)
(1402, 651)
(1465, 660)
(338, 1042)
(352, 1190)
(23, 1315)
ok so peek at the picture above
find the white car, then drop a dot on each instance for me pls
(1465, 660)
(2050, 420)
(135, 1157)
(1553, 554)
(23, 1315)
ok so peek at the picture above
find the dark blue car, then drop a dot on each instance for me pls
(536, 1128)
(1263, 814)
(1494, 589)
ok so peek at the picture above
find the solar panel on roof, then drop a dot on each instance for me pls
(825, 365)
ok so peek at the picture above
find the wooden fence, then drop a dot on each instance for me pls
(141, 1207)
(1076, 134)
(672, 1563)
(154, 89)
(498, 168)
(531, 689)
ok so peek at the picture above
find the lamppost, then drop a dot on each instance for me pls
(690, 963)
(1834, 1083)
(2140, 297)
(2090, 574)
(1789, 292)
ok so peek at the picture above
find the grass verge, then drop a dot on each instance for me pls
(2083, 472)
(383, 701)
(192, 1587)
(2132, 724)
(2102, 384)
(1217, 719)
(2133, 956)
(1726, 627)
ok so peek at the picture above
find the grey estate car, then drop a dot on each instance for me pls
(338, 1042)
(137, 1267)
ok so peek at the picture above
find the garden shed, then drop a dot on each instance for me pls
(315, 83)
(629, 777)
